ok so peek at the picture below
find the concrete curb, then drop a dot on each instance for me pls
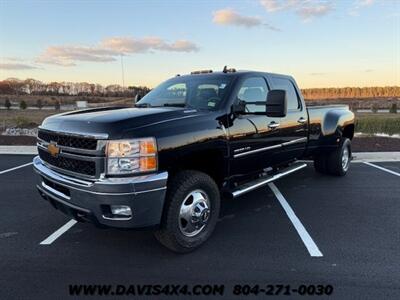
(376, 156)
(357, 156)
(24, 150)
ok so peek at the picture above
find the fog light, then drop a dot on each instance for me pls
(121, 210)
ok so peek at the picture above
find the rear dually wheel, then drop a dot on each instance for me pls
(336, 162)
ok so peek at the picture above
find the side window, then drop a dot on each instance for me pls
(253, 90)
(286, 84)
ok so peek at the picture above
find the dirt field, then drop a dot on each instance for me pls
(375, 144)
(23, 118)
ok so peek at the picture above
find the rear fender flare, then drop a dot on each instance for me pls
(335, 121)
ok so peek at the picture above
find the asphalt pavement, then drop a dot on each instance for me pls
(306, 229)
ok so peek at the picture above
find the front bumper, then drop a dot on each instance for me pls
(90, 201)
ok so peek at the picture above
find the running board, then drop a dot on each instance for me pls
(250, 186)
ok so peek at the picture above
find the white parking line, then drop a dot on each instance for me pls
(381, 168)
(58, 232)
(304, 235)
(15, 168)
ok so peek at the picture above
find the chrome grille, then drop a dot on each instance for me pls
(73, 165)
(78, 156)
(68, 140)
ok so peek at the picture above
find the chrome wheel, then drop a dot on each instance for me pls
(194, 213)
(345, 158)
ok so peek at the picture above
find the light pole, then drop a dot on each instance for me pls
(122, 71)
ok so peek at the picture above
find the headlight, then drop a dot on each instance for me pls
(131, 156)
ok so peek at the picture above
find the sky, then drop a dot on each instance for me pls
(321, 43)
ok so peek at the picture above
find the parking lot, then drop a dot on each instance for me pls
(303, 229)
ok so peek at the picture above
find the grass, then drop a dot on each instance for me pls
(23, 118)
(378, 123)
(354, 103)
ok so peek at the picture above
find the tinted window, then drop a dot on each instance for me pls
(286, 84)
(254, 90)
(176, 93)
(193, 91)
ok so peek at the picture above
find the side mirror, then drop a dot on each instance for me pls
(276, 105)
(240, 107)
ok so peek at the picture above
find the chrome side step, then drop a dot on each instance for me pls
(248, 187)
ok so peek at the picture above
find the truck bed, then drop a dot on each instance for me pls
(323, 120)
(332, 106)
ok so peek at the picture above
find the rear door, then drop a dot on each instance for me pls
(253, 138)
(293, 127)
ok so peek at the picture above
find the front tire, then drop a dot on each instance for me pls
(191, 211)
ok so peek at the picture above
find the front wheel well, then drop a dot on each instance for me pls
(210, 162)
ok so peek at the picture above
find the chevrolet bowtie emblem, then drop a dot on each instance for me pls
(53, 149)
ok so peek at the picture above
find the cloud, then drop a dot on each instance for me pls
(129, 45)
(358, 5)
(306, 9)
(13, 58)
(108, 49)
(276, 5)
(67, 55)
(16, 66)
(229, 16)
(309, 12)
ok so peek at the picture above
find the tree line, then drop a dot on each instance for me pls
(13, 86)
(351, 92)
(34, 87)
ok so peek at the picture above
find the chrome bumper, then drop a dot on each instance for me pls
(87, 200)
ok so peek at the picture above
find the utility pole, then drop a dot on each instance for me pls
(122, 71)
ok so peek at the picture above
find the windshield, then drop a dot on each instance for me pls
(194, 92)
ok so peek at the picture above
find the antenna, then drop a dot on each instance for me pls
(122, 71)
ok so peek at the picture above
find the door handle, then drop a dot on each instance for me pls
(301, 120)
(273, 125)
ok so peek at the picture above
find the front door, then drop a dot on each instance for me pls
(254, 138)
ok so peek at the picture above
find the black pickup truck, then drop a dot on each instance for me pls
(166, 163)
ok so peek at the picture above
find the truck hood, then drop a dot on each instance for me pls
(114, 121)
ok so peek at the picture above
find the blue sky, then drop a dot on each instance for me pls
(322, 43)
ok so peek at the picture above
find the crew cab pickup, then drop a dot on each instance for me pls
(166, 163)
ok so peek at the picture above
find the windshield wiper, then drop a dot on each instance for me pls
(175, 104)
(143, 105)
(163, 105)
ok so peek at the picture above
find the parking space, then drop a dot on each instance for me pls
(390, 167)
(9, 162)
(353, 221)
